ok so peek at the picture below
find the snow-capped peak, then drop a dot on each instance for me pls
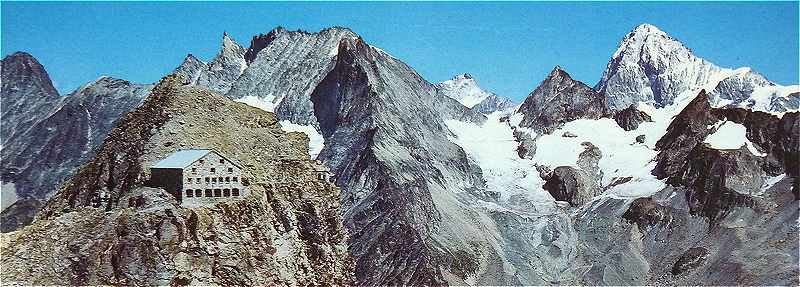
(650, 38)
(464, 89)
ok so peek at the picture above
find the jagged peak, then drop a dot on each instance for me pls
(228, 41)
(558, 73)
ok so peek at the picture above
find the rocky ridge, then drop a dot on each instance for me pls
(287, 231)
(39, 159)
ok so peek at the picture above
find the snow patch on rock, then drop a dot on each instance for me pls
(266, 103)
(730, 135)
(316, 141)
(493, 147)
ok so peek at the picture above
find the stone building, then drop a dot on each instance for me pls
(321, 172)
(199, 176)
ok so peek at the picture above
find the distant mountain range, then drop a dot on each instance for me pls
(669, 171)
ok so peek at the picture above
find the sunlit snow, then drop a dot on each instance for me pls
(493, 147)
(266, 103)
(316, 141)
(730, 135)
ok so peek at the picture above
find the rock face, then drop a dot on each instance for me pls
(190, 69)
(651, 66)
(286, 72)
(750, 90)
(685, 132)
(661, 242)
(577, 185)
(720, 180)
(224, 69)
(284, 232)
(630, 118)
(27, 95)
(464, 89)
(560, 99)
(39, 159)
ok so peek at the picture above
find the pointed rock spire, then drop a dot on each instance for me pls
(651, 66)
(560, 99)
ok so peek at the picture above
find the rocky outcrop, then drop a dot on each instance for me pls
(27, 95)
(560, 99)
(287, 231)
(577, 185)
(220, 74)
(688, 129)
(190, 69)
(647, 212)
(572, 185)
(630, 118)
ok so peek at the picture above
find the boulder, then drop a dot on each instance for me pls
(630, 118)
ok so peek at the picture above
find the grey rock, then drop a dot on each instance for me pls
(651, 66)
(220, 74)
(630, 118)
(27, 95)
(560, 99)
(569, 135)
(640, 139)
(571, 185)
(40, 159)
(190, 69)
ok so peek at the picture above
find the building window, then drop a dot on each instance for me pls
(230, 170)
(208, 179)
(202, 161)
(221, 161)
(198, 193)
(189, 193)
(213, 170)
(227, 179)
(235, 192)
(226, 192)
(208, 193)
(235, 179)
(214, 180)
(197, 180)
(220, 179)
(194, 170)
(217, 192)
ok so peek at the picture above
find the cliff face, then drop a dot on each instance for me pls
(560, 99)
(51, 146)
(286, 231)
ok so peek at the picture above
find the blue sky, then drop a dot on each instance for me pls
(508, 47)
